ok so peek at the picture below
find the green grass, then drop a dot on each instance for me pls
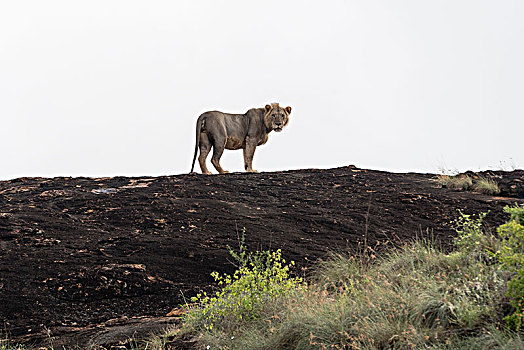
(5, 344)
(409, 298)
(487, 339)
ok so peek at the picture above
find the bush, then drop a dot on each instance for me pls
(511, 256)
(472, 238)
(262, 278)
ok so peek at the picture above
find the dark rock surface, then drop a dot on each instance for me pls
(77, 252)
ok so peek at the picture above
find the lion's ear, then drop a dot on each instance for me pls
(288, 110)
(268, 108)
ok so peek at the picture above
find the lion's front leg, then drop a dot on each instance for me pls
(249, 152)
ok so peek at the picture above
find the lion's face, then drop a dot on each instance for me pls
(277, 117)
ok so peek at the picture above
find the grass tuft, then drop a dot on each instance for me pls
(5, 344)
(460, 182)
(486, 185)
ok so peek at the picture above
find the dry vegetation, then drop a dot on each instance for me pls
(486, 185)
(457, 182)
(463, 182)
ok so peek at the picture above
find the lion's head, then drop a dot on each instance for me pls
(276, 117)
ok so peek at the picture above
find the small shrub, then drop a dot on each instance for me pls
(511, 256)
(516, 213)
(486, 185)
(471, 237)
(261, 279)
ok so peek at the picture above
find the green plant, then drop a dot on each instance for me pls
(262, 278)
(511, 256)
(471, 236)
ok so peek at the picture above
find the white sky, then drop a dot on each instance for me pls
(103, 88)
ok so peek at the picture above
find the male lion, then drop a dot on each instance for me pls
(234, 131)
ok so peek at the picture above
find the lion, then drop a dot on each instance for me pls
(235, 131)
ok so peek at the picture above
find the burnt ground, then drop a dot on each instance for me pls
(77, 252)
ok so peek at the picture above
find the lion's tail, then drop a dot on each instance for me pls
(198, 129)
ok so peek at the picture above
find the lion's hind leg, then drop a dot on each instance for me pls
(218, 149)
(205, 148)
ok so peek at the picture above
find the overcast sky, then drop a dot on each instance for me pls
(104, 88)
